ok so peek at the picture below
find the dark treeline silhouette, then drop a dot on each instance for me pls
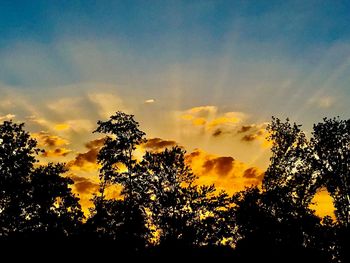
(162, 212)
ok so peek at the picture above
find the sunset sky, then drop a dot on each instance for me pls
(207, 75)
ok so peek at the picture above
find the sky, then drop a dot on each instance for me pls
(207, 75)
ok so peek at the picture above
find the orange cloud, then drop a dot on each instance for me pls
(223, 171)
(83, 185)
(210, 117)
(58, 152)
(87, 161)
(212, 124)
(222, 165)
(53, 145)
(158, 144)
(45, 139)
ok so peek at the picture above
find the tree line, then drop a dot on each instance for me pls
(161, 209)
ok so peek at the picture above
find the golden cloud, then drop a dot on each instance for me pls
(58, 152)
(45, 139)
(158, 144)
(223, 171)
(87, 161)
(61, 127)
(83, 185)
(208, 120)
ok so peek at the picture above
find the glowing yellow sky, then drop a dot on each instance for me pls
(224, 147)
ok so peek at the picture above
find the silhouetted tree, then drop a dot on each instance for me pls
(17, 159)
(35, 201)
(289, 176)
(159, 195)
(186, 215)
(331, 145)
(57, 211)
(122, 220)
(280, 214)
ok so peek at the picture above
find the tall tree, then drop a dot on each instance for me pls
(17, 159)
(125, 218)
(289, 176)
(331, 143)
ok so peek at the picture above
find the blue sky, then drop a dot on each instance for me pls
(194, 72)
(262, 58)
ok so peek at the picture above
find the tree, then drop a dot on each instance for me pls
(36, 201)
(123, 135)
(289, 185)
(123, 220)
(289, 176)
(331, 144)
(57, 211)
(17, 159)
(185, 215)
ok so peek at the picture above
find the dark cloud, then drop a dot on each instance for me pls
(191, 156)
(157, 144)
(251, 172)
(253, 175)
(58, 152)
(245, 128)
(217, 132)
(98, 143)
(48, 140)
(249, 137)
(221, 165)
(90, 156)
(84, 185)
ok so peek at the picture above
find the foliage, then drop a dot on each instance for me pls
(161, 208)
(35, 200)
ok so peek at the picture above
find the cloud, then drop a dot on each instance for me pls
(221, 165)
(58, 152)
(149, 101)
(217, 132)
(208, 120)
(254, 175)
(249, 137)
(88, 160)
(225, 172)
(65, 105)
(107, 103)
(47, 140)
(7, 117)
(61, 127)
(53, 145)
(324, 102)
(158, 144)
(83, 185)
(245, 128)
(210, 117)
(254, 132)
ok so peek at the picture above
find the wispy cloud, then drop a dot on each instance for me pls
(149, 101)
(7, 117)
